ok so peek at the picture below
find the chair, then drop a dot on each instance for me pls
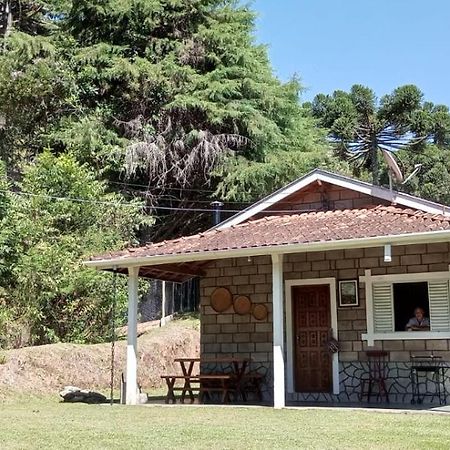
(376, 376)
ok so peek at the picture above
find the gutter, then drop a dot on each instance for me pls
(377, 241)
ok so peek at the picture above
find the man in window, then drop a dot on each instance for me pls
(419, 322)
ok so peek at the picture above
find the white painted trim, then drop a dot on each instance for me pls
(392, 308)
(408, 277)
(289, 284)
(341, 181)
(279, 390)
(132, 386)
(376, 241)
(163, 303)
(405, 336)
(369, 279)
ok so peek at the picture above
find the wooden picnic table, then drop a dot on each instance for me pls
(221, 384)
(239, 364)
(207, 382)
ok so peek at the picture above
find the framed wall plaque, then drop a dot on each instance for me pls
(348, 293)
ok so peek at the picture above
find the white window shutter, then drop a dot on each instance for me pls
(383, 315)
(438, 295)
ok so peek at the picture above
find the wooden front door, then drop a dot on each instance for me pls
(312, 324)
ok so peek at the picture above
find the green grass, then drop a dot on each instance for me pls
(28, 422)
(39, 423)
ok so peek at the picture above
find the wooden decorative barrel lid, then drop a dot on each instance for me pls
(221, 299)
(242, 305)
(260, 312)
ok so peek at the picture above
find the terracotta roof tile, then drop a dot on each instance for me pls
(307, 227)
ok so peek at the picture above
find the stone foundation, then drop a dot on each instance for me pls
(398, 383)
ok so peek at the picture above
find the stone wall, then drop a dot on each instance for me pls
(233, 335)
(228, 334)
(399, 386)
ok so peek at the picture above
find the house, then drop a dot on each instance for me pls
(326, 257)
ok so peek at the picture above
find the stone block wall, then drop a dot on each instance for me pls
(229, 334)
(350, 265)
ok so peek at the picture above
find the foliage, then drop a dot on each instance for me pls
(362, 127)
(433, 180)
(304, 150)
(174, 92)
(60, 217)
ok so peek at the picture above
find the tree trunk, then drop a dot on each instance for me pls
(375, 163)
(5, 18)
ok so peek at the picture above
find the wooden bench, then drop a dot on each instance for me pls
(207, 383)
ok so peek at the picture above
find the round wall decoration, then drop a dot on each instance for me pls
(242, 305)
(260, 312)
(221, 299)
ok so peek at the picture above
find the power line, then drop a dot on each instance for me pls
(169, 198)
(147, 186)
(150, 208)
(166, 197)
(116, 204)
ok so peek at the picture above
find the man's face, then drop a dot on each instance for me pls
(419, 313)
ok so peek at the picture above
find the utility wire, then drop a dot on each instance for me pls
(150, 208)
(167, 197)
(156, 187)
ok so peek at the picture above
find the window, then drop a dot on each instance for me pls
(408, 297)
(394, 303)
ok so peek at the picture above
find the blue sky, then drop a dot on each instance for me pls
(332, 44)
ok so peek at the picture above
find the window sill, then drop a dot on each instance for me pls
(404, 336)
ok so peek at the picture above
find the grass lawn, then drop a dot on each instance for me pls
(37, 423)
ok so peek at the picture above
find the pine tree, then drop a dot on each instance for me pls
(181, 86)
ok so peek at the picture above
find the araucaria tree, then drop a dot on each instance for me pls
(361, 126)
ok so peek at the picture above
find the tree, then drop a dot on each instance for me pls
(60, 217)
(361, 127)
(187, 89)
(433, 180)
(301, 151)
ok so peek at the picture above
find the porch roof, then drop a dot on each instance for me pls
(275, 234)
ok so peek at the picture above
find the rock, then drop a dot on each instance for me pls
(74, 394)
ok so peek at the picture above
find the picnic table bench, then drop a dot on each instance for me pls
(237, 381)
(207, 383)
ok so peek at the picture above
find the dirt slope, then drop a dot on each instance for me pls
(48, 368)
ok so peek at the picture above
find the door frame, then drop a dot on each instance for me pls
(289, 284)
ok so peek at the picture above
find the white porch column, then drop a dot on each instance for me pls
(278, 334)
(162, 322)
(133, 277)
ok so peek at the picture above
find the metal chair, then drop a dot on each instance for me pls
(376, 376)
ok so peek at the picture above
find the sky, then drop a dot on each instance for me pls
(383, 44)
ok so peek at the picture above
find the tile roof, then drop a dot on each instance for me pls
(324, 226)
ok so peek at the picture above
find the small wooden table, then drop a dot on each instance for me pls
(428, 364)
(187, 367)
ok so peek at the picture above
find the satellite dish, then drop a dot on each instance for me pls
(394, 169)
